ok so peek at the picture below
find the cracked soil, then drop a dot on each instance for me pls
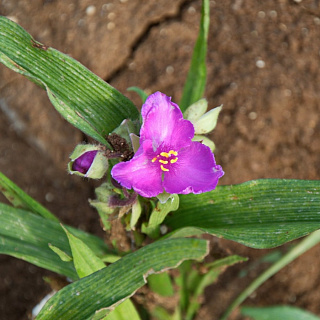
(263, 66)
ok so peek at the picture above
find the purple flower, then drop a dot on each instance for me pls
(167, 159)
(84, 162)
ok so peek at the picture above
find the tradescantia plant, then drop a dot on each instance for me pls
(159, 176)
(167, 159)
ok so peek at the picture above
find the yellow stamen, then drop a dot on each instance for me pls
(154, 159)
(175, 153)
(163, 161)
(163, 168)
(174, 160)
(164, 154)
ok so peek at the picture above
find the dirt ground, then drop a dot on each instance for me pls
(263, 66)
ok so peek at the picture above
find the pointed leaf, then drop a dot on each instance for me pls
(84, 259)
(82, 98)
(22, 200)
(63, 256)
(260, 213)
(27, 236)
(196, 80)
(111, 285)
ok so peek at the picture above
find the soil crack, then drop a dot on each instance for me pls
(145, 34)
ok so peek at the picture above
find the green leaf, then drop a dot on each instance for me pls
(21, 200)
(299, 249)
(124, 311)
(216, 268)
(63, 256)
(84, 259)
(27, 236)
(161, 284)
(160, 313)
(82, 98)
(278, 313)
(158, 214)
(111, 285)
(196, 80)
(182, 281)
(260, 213)
(110, 258)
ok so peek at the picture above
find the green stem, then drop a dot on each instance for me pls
(302, 247)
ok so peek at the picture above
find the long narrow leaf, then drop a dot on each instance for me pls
(82, 98)
(109, 286)
(21, 200)
(278, 313)
(197, 76)
(27, 236)
(260, 213)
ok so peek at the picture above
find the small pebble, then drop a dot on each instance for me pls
(49, 197)
(273, 14)
(169, 70)
(111, 25)
(91, 10)
(253, 115)
(260, 64)
(191, 9)
(111, 15)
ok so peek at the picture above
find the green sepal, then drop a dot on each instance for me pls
(103, 194)
(126, 128)
(206, 141)
(207, 122)
(196, 110)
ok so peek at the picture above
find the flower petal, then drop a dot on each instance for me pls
(195, 171)
(140, 174)
(163, 123)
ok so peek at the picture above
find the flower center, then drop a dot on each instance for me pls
(165, 158)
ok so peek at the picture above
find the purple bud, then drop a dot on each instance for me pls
(84, 162)
(88, 160)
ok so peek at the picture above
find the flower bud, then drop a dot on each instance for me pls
(135, 141)
(126, 128)
(196, 110)
(88, 161)
(207, 122)
(206, 141)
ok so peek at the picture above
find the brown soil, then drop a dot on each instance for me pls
(263, 65)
